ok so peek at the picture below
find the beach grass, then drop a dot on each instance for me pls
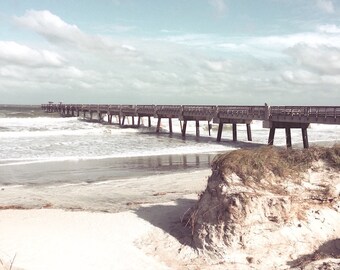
(256, 163)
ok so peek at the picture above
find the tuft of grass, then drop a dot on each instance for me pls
(257, 163)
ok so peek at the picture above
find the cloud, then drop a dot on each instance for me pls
(312, 39)
(324, 60)
(172, 68)
(51, 26)
(58, 32)
(326, 5)
(328, 29)
(14, 53)
(220, 6)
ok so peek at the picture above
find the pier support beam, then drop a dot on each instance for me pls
(209, 128)
(234, 132)
(158, 124)
(288, 126)
(305, 138)
(197, 128)
(122, 121)
(138, 122)
(249, 132)
(271, 136)
(184, 129)
(133, 120)
(149, 121)
(288, 137)
(170, 125)
(219, 132)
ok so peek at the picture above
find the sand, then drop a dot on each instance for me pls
(57, 239)
(148, 236)
(98, 238)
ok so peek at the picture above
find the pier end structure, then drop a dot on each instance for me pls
(298, 117)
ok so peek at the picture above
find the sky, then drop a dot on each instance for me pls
(227, 52)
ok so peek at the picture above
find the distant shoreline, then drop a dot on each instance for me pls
(6, 106)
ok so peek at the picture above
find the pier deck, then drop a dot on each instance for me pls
(273, 117)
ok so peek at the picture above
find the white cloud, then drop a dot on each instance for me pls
(50, 26)
(329, 29)
(303, 77)
(326, 5)
(300, 77)
(172, 68)
(322, 59)
(311, 39)
(58, 32)
(14, 53)
(220, 6)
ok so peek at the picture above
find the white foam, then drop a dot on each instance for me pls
(39, 140)
(159, 152)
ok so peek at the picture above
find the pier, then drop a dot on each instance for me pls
(273, 117)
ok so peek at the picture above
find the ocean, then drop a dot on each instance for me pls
(45, 153)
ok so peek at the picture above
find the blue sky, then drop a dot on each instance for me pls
(282, 52)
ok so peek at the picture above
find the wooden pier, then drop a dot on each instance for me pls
(274, 117)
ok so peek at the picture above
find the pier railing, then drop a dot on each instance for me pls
(168, 111)
(297, 114)
(273, 117)
(242, 112)
(306, 114)
(194, 112)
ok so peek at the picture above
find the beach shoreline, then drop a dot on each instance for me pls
(107, 194)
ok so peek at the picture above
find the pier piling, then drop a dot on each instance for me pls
(249, 137)
(158, 125)
(219, 132)
(184, 128)
(288, 137)
(271, 136)
(234, 132)
(305, 138)
(170, 125)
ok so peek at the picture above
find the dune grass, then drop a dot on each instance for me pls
(281, 162)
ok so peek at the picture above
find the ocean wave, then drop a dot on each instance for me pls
(146, 153)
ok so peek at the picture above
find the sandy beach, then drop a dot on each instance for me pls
(57, 239)
(60, 239)
(149, 228)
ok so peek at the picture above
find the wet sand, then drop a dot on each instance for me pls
(108, 185)
(98, 170)
(106, 196)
